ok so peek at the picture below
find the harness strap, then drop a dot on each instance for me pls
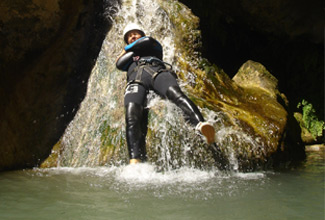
(139, 70)
(144, 65)
(154, 74)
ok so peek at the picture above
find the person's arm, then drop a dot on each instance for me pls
(119, 56)
(124, 60)
(135, 45)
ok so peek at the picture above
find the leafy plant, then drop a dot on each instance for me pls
(310, 120)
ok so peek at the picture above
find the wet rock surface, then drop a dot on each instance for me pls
(285, 36)
(48, 49)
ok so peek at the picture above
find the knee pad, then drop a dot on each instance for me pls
(135, 93)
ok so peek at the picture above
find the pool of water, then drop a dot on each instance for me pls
(140, 192)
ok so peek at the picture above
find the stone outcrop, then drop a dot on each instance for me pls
(251, 102)
(48, 49)
(285, 36)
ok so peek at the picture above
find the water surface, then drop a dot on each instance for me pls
(140, 192)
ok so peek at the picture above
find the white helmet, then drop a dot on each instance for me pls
(131, 27)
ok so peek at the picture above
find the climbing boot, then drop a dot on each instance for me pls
(207, 130)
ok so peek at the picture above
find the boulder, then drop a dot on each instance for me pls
(275, 33)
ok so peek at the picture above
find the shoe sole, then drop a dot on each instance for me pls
(135, 161)
(208, 131)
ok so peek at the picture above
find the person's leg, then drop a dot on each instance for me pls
(136, 118)
(191, 112)
(166, 85)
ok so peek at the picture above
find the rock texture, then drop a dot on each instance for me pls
(251, 103)
(286, 36)
(47, 49)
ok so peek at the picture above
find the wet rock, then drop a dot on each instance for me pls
(254, 75)
(250, 103)
(48, 49)
(274, 33)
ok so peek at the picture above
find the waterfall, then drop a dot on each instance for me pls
(96, 136)
(100, 118)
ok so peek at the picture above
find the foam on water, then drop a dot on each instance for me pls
(146, 174)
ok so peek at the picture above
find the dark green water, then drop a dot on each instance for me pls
(138, 192)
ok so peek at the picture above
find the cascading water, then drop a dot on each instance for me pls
(96, 136)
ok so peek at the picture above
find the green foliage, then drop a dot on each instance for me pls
(310, 120)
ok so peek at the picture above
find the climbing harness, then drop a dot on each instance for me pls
(146, 64)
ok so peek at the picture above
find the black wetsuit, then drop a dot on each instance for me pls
(146, 71)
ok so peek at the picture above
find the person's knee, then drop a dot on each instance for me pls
(174, 92)
(135, 93)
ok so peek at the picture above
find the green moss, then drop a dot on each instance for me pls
(111, 141)
(309, 119)
(52, 160)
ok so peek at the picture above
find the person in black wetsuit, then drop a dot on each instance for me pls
(142, 58)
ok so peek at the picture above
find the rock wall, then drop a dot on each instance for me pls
(48, 49)
(286, 36)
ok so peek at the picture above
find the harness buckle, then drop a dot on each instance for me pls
(152, 61)
(142, 61)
